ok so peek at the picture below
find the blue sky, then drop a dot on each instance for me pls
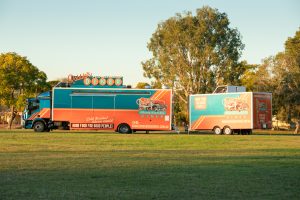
(110, 37)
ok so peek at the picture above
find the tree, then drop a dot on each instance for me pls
(280, 74)
(193, 54)
(287, 79)
(52, 83)
(141, 85)
(18, 80)
(258, 78)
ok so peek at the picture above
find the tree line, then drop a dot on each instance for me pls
(190, 54)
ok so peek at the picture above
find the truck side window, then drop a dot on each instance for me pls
(33, 105)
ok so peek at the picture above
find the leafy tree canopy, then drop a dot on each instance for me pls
(18, 80)
(141, 85)
(194, 53)
(286, 76)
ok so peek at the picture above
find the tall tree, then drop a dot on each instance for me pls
(287, 78)
(18, 80)
(192, 54)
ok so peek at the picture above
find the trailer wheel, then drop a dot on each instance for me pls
(124, 128)
(227, 130)
(39, 126)
(217, 130)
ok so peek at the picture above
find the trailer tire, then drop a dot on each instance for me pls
(227, 130)
(124, 128)
(39, 126)
(217, 130)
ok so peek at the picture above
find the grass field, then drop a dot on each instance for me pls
(97, 165)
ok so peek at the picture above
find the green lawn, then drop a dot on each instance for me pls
(97, 165)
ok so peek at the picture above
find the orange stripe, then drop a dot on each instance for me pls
(195, 123)
(161, 95)
(42, 112)
(33, 116)
(198, 122)
(156, 94)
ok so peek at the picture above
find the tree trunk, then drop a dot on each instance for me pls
(297, 126)
(13, 116)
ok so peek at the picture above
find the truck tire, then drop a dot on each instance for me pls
(39, 126)
(227, 130)
(217, 130)
(124, 128)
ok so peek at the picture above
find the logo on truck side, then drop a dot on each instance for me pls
(200, 103)
(235, 104)
(151, 106)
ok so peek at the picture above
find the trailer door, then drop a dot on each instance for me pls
(262, 110)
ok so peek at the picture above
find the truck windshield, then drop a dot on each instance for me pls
(32, 105)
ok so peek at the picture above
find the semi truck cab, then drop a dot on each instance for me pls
(37, 109)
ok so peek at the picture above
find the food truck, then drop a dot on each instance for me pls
(89, 102)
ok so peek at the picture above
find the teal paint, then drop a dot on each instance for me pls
(214, 105)
(82, 98)
(40, 102)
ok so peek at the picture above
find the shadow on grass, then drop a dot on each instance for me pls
(277, 134)
(238, 179)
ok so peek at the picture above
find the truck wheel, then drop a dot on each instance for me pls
(39, 126)
(124, 128)
(217, 130)
(227, 130)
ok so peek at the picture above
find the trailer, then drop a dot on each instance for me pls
(99, 103)
(230, 112)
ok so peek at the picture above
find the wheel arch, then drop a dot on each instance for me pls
(39, 120)
(123, 124)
